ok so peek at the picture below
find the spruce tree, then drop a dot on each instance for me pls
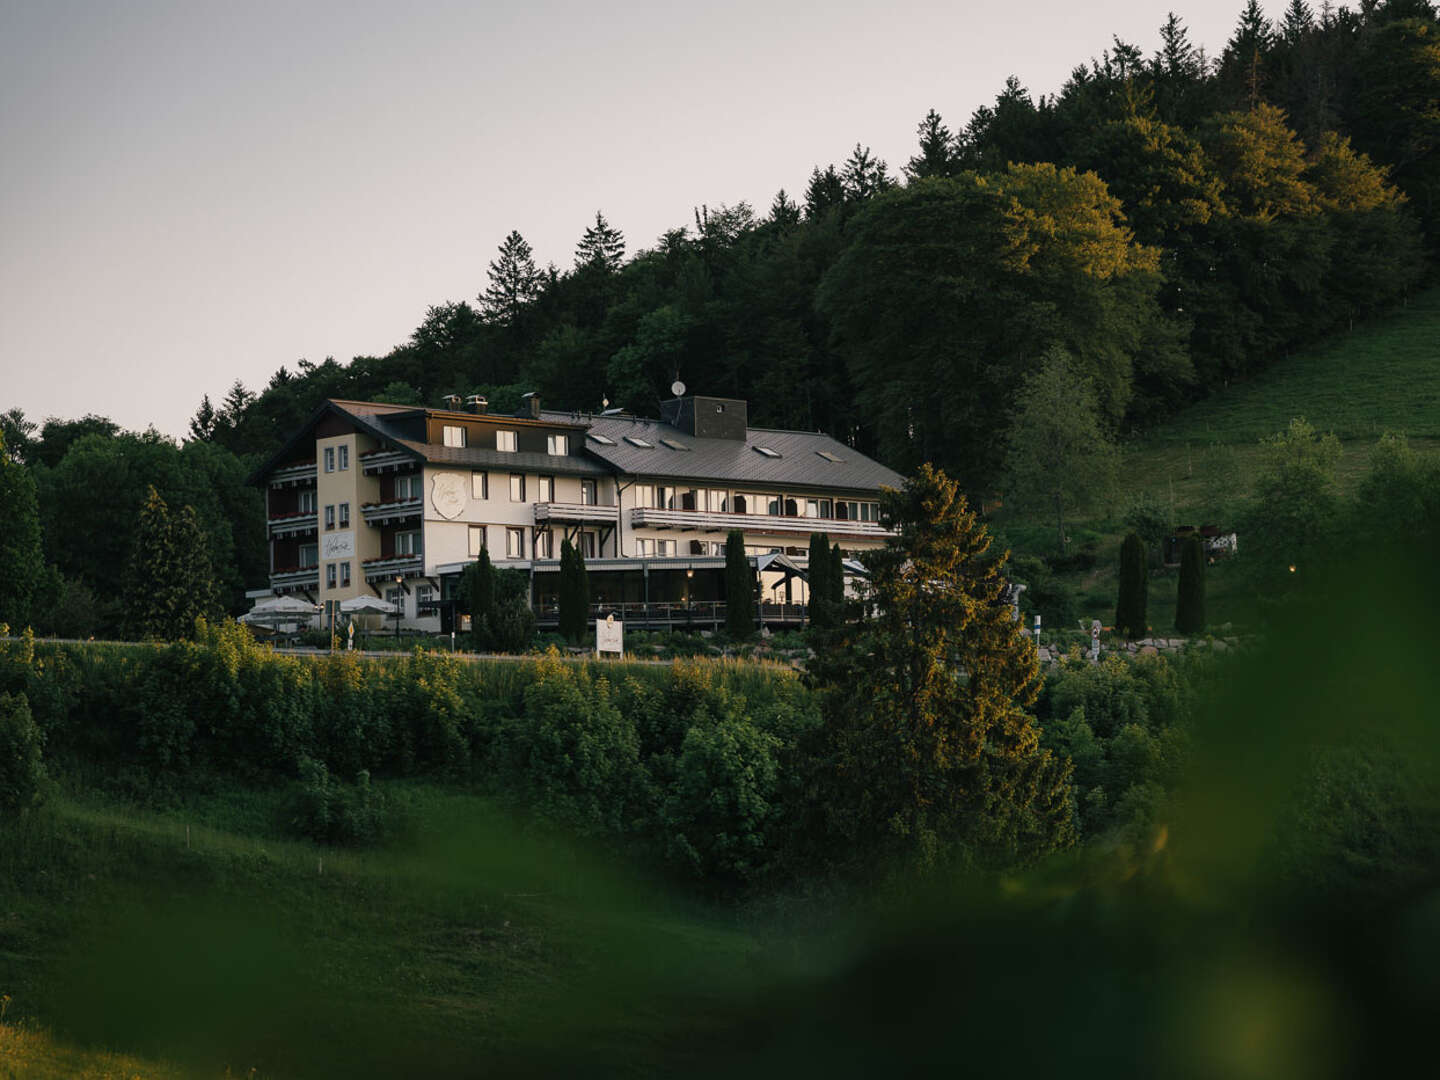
(937, 150)
(196, 593)
(514, 282)
(601, 248)
(739, 587)
(784, 214)
(1131, 603)
(930, 755)
(1190, 597)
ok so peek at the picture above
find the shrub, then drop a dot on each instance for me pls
(327, 811)
(1190, 599)
(22, 772)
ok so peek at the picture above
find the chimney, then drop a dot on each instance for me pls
(452, 402)
(477, 404)
(532, 399)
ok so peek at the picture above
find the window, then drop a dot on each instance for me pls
(644, 546)
(546, 489)
(309, 556)
(409, 486)
(817, 508)
(697, 547)
(603, 440)
(545, 545)
(344, 575)
(396, 595)
(587, 544)
(588, 496)
(635, 440)
(344, 515)
(307, 502)
(674, 444)
(330, 516)
(517, 487)
(719, 501)
(664, 547)
(453, 435)
(477, 540)
(688, 499)
(792, 508)
(329, 459)
(765, 451)
(829, 456)
(773, 505)
(645, 495)
(558, 445)
(407, 543)
(505, 442)
(424, 597)
(479, 485)
(344, 457)
(742, 503)
(514, 543)
(330, 573)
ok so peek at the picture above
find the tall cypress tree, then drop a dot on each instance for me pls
(819, 571)
(837, 584)
(479, 593)
(574, 593)
(1190, 598)
(1130, 606)
(152, 599)
(21, 559)
(739, 587)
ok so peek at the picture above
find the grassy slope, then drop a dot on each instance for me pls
(467, 944)
(1382, 376)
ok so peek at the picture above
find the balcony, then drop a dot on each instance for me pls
(379, 461)
(711, 521)
(546, 512)
(295, 577)
(294, 475)
(389, 512)
(390, 566)
(303, 521)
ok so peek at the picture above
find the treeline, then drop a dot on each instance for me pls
(1238, 207)
(1165, 224)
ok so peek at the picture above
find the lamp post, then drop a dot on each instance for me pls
(399, 603)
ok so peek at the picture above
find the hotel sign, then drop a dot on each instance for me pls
(609, 635)
(337, 545)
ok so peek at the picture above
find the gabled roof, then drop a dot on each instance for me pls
(799, 462)
(369, 416)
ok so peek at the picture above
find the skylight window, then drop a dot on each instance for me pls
(765, 451)
(635, 440)
(829, 456)
(603, 440)
(673, 445)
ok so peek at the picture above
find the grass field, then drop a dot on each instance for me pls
(1201, 463)
(151, 945)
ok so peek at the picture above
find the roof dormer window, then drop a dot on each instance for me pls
(635, 440)
(765, 451)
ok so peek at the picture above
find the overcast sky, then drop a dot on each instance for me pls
(196, 192)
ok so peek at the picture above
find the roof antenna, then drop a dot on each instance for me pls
(677, 388)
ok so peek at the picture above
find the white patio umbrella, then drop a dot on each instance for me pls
(279, 609)
(367, 605)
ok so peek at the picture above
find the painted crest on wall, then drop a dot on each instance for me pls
(447, 495)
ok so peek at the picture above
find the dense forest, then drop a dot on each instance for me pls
(1171, 223)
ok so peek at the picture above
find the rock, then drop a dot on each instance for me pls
(1149, 650)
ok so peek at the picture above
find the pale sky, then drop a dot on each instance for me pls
(195, 192)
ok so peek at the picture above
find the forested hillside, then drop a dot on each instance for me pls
(1171, 221)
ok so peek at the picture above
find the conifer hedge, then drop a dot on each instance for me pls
(1190, 599)
(1130, 606)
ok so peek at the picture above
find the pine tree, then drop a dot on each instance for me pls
(514, 282)
(232, 409)
(601, 248)
(194, 574)
(21, 556)
(1190, 597)
(937, 150)
(1177, 58)
(932, 757)
(1131, 603)
(784, 214)
(739, 587)
(864, 175)
(202, 424)
(1296, 23)
(824, 192)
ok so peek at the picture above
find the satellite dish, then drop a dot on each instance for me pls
(677, 388)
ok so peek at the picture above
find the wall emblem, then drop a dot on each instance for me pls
(448, 495)
(337, 545)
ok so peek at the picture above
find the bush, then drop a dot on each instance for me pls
(1190, 599)
(327, 811)
(22, 772)
(1134, 580)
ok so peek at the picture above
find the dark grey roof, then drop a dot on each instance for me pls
(474, 457)
(730, 461)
